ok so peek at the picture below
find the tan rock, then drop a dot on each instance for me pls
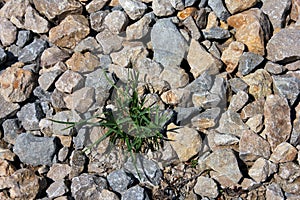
(69, 81)
(53, 55)
(14, 9)
(252, 29)
(212, 21)
(35, 22)
(232, 54)
(83, 62)
(8, 33)
(81, 100)
(284, 152)
(206, 187)
(235, 6)
(295, 10)
(6, 168)
(262, 169)
(58, 171)
(70, 31)
(189, 11)
(256, 123)
(175, 96)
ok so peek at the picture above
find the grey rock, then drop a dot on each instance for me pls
(206, 187)
(95, 5)
(184, 115)
(206, 100)
(119, 181)
(134, 9)
(228, 167)
(169, 46)
(149, 70)
(105, 61)
(57, 189)
(135, 192)
(23, 37)
(8, 32)
(220, 139)
(109, 41)
(88, 44)
(274, 68)
(14, 50)
(162, 8)
(47, 79)
(237, 85)
(177, 4)
(77, 162)
(69, 81)
(201, 84)
(214, 50)
(289, 171)
(202, 3)
(201, 18)
(207, 119)
(87, 186)
(190, 23)
(148, 170)
(262, 169)
(7, 108)
(3, 56)
(81, 100)
(238, 101)
(116, 21)
(175, 76)
(218, 7)
(248, 62)
(34, 22)
(277, 11)
(10, 130)
(283, 46)
(189, 3)
(57, 100)
(35, 150)
(274, 191)
(139, 29)
(287, 86)
(97, 20)
(216, 33)
(64, 116)
(30, 52)
(30, 115)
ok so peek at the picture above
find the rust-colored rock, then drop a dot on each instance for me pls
(235, 6)
(232, 54)
(190, 11)
(252, 28)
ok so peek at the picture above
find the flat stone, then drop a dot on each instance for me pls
(206, 187)
(134, 9)
(87, 186)
(289, 171)
(274, 191)
(16, 84)
(30, 52)
(30, 115)
(235, 6)
(284, 152)
(218, 7)
(252, 28)
(35, 22)
(252, 146)
(95, 5)
(248, 62)
(143, 169)
(64, 116)
(162, 8)
(46, 80)
(80, 100)
(139, 29)
(221, 140)
(237, 84)
(207, 119)
(277, 12)
(53, 55)
(231, 55)
(228, 167)
(116, 21)
(35, 150)
(7, 108)
(57, 189)
(287, 86)
(277, 120)
(216, 33)
(70, 31)
(89, 44)
(83, 62)
(238, 101)
(135, 192)
(274, 68)
(185, 141)
(169, 45)
(259, 83)
(69, 81)
(9, 32)
(200, 60)
(109, 41)
(175, 76)
(255, 123)
(262, 169)
(283, 46)
(57, 8)
(97, 20)
(119, 181)
(58, 171)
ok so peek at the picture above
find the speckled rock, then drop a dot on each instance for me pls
(139, 29)
(89, 44)
(83, 62)
(116, 21)
(10, 128)
(58, 128)
(134, 9)
(57, 189)
(109, 41)
(248, 62)
(262, 169)
(7, 108)
(274, 191)
(69, 81)
(58, 171)
(14, 10)
(206, 187)
(97, 20)
(30, 115)
(191, 25)
(235, 6)
(135, 192)
(289, 171)
(207, 119)
(119, 181)
(53, 55)
(255, 123)
(237, 84)
(238, 101)
(175, 76)
(9, 32)
(162, 8)
(30, 52)
(218, 7)
(95, 5)
(35, 22)
(46, 80)
(80, 100)
(231, 55)
(284, 152)
(216, 33)
(274, 68)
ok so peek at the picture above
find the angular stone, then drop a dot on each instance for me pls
(7, 108)
(83, 62)
(35, 150)
(30, 115)
(253, 109)
(89, 44)
(175, 76)
(169, 45)
(216, 33)
(135, 192)
(53, 55)
(139, 29)
(57, 8)
(259, 83)
(3, 56)
(231, 55)
(185, 13)
(235, 6)
(10, 130)
(185, 114)
(35, 22)
(6, 168)
(64, 116)
(262, 169)
(95, 5)
(252, 146)
(284, 152)
(58, 171)
(295, 136)
(109, 41)
(81, 100)
(178, 4)
(255, 123)
(69, 81)
(108, 195)
(46, 80)
(274, 191)
(87, 186)
(14, 10)
(179, 97)
(221, 140)
(57, 100)
(238, 101)
(8, 32)
(97, 20)
(70, 31)
(23, 37)
(274, 68)
(134, 9)
(277, 120)
(191, 25)
(283, 46)
(77, 161)
(218, 7)
(206, 187)
(149, 70)
(252, 29)
(143, 169)
(237, 85)
(248, 62)
(200, 60)
(277, 12)
(16, 84)
(57, 189)
(228, 167)
(30, 52)
(119, 181)
(293, 66)
(116, 21)
(295, 10)
(162, 8)
(289, 171)
(207, 119)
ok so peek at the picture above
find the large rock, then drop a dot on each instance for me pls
(81, 100)
(109, 42)
(70, 31)
(284, 152)
(116, 21)
(248, 62)
(8, 32)
(53, 55)
(169, 45)
(252, 28)
(14, 9)
(235, 6)
(35, 150)
(262, 169)
(277, 120)
(283, 46)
